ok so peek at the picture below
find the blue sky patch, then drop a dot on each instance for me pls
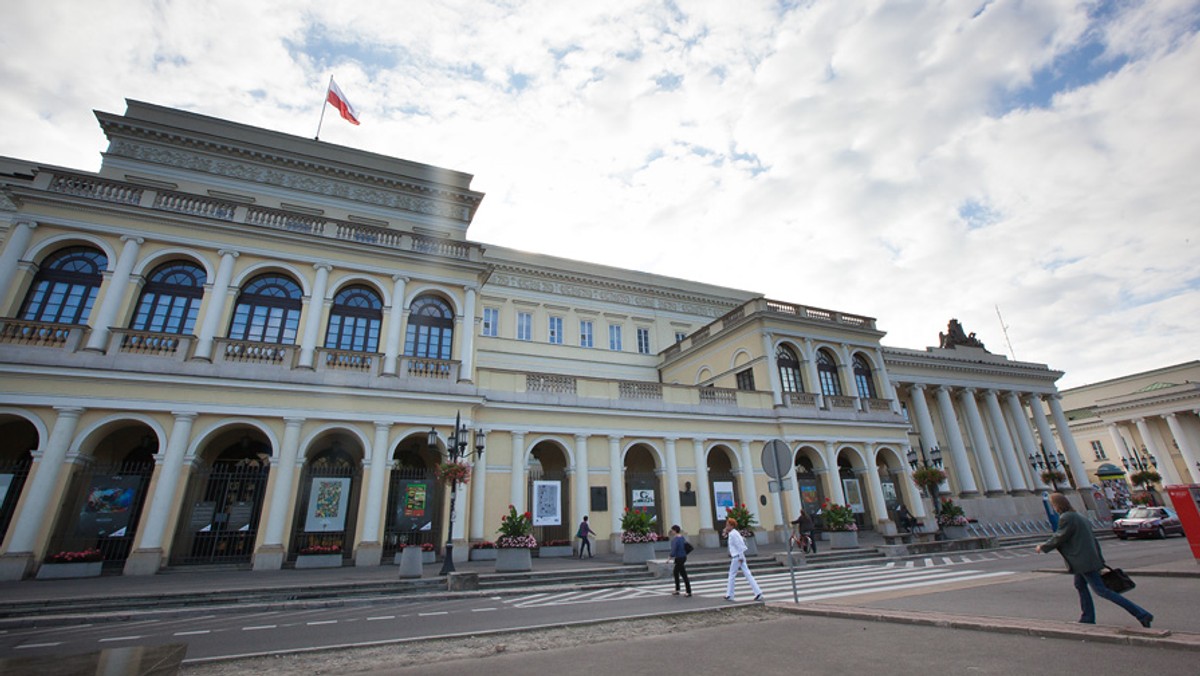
(977, 214)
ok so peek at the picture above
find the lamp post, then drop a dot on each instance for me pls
(456, 451)
(1142, 463)
(1049, 464)
(934, 461)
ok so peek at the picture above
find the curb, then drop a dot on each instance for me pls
(1163, 638)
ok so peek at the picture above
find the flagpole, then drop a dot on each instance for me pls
(324, 105)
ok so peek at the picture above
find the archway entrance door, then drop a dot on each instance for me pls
(724, 486)
(414, 513)
(549, 496)
(326, 511)
(812, 493)
(19, 439)
(641, 486)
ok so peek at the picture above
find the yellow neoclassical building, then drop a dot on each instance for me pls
(235, 346)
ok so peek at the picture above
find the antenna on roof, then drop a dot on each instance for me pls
(1004, 329)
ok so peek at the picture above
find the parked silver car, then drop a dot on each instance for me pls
(1145, 522)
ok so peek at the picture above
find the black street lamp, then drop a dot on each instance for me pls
(1143, 463)
(1049, 464)
(934, 461)
(456, 451)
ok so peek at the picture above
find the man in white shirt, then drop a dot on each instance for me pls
(737, 560)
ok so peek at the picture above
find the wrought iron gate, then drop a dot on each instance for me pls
(12, 480)
(327, 518)
(414, 514)
(219, 519)
(103, 508)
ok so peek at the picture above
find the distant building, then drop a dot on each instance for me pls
(236, 346)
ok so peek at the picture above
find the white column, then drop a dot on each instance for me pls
(478, 499)
(1118, 441)
(616, 483)
(794, 501)
(1074, 460)
(316, 310)
(915, 504)
(886, 381)
(875, 488)
(516, 491)
(1025, 434)
(810, 372)
(1012, 464)
(216, 306)
(18, 242)
(846, 373)
(168, 479)
(979, 441)
(395, 328)
(924, 422)
(749, 487)
(772, 368)
(40, 491)
(467, 371)
(836, 494)
(582, 485)
(285, 470)
(1185, 445)
(118, 287)
(961, 464)
(372, 522)
(1166, 466)
(672, 485)
(703, 490)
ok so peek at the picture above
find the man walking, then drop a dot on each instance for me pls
(737, 560)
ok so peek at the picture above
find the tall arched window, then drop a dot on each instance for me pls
(828, 372)
(267, 311)
(863, 378)
(789, 369)
(171, 298)
(355, 319)
(430, 329)
(66, 286)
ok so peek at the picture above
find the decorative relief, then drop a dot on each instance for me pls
(579, 291)
(287, 179)
(6, 203)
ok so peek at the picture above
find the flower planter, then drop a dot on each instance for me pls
(411, 560)
(954, 532)
(483, 554)
(514, 560)
(319, 561)
(638, 552)
(843, 539)
(60, 571)
(555, 552)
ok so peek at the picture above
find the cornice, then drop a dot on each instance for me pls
(899, 357)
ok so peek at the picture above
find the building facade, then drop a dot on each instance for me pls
(231, 345)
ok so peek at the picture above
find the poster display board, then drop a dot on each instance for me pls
(412, 507)
(327, 501)
(547, 503)
(722, 498)
(853, 495)
(107, 505)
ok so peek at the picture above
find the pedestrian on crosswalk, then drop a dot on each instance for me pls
(679, 551)
(582, 534)
(737, 560)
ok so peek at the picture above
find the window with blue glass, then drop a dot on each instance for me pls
(789, 369)
(65, 286)
(491, 322)
(355, 319)
(267, 310)
(827, 371)
(863, 378)
(643, 341)
(614, 337)
(170, 300)
(524, 326)
(555, 331)
(585, 333)
(430, 329)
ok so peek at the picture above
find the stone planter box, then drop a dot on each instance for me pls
(483, 554)
(61, 571)
(843, 539)
(555, 552)
(954, 532)
(426, 557)
(319, 561)
(514, 560)
(751, 546)
(638, 552)
(411, 560)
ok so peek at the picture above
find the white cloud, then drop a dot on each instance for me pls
(820, 154)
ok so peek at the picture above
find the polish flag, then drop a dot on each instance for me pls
(336, 98)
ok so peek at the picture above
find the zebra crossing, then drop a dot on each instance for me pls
(811, 585)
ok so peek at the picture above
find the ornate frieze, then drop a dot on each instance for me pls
(573, 290)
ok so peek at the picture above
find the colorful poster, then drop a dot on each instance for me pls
(853, 495)
(809, 497)
(547, 503)
(414, 499)
(413, 511)
(107, 505)
(722, 498)
(327, 500)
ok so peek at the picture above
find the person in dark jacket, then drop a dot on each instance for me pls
(582, 534)
(1077, 544)
(679, 553)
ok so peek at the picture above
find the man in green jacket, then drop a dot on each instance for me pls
(1077, 544)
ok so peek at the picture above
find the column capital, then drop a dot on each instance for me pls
(401, 278)
(133, 238)
(919, 387)
(382, 425)
(969, 390)
(228, 252)
(185, 415)
(322, 265)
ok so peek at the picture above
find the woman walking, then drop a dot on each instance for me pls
(679, 552)
(737, 560)
(1077, 544)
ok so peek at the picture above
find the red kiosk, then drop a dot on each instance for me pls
(1185, 498)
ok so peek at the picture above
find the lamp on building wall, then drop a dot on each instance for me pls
(1049, 465)
(456, 451)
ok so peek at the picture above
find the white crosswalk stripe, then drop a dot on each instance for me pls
(812, 585)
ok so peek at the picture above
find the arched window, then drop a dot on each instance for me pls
(171, 298)
(66, 286)
(828, 372)
(789, 369)
(355, 320)
(863, 379)
(430, 329)
(267, 311)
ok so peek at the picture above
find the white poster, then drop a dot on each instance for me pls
(643, 497)
(327, 505)
(853, 495)
(722, 497)
(547, 503)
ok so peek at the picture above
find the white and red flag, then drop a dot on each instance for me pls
(338, 100)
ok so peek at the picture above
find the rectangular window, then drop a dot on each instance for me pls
(614, 337)
(745, 380)
(585, 333)
(555, 334)
(491, 321)
(679, 336)
(643, 341)
(524, 326)
(1098, 449)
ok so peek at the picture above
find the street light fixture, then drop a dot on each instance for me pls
(1050, 464)
(933, 461)
(456, 451)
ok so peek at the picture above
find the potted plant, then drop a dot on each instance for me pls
(320, 556)
(637, 537)
(83, 563)
(453, 472)
(515, 545)
(745, 525)
(484, 550)
(555, 548)
(952, 520)
(1145, 479)
(839, 521)
(1053, 477)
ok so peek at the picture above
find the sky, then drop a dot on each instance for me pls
(910, 161)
